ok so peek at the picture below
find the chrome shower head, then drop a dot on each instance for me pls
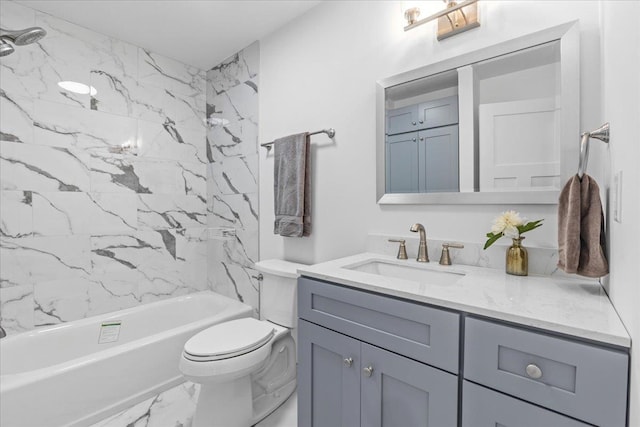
(5, 48)
(23, 37)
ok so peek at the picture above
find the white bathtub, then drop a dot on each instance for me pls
(61, 375)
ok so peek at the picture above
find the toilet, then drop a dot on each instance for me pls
(246, 367)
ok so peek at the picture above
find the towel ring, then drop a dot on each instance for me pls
(602, 133)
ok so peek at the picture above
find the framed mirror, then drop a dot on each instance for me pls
(494, 126)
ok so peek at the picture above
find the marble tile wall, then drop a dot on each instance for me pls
(84, 230)
(232, 176)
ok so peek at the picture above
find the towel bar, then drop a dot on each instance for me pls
(330, 132)
(602, 133)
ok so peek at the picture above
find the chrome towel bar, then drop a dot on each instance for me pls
(330, 133)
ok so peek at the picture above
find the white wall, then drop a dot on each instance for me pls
(621, 107)
(321, 71)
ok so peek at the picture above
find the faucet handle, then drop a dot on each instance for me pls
(445, 259)
(453, 245)
(402, 250)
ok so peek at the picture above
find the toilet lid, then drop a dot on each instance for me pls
(229, 339)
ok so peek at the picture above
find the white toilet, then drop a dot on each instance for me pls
(246, 367)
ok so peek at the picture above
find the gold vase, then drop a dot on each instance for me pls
(517, 259)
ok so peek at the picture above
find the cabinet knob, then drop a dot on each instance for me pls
(348, 362)
(421, 121)
(413, 123)
(413, 139)
(422, 138)
(368, 371)
(533, 371)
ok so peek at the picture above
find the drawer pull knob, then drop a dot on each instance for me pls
(533, 371)
(368, 371)
(348, 362)
(413, 123)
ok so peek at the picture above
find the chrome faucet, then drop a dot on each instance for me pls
(423, 256)
(3, 333)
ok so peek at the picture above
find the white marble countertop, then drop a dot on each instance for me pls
(577, 307)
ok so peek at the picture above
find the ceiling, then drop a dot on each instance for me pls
(197, 32)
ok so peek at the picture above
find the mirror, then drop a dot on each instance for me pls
(496, 125)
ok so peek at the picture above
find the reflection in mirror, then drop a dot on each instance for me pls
(490, 123)
(517, 110)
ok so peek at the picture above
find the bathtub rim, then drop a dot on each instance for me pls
(11, 381)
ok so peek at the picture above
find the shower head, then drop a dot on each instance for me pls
(5, 48)
(23, 37)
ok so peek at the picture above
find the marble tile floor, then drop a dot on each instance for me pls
(175, 408)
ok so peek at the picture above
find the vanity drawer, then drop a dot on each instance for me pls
(419, 332)
(581, 380)
(482, 407)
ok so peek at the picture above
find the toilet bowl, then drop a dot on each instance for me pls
(247, 367)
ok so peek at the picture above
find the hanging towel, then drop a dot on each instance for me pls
(291, 186)
(581, 238)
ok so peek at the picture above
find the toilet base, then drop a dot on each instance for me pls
(244, 401)
(224, 404)
(267, 404)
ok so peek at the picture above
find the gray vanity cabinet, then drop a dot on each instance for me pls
(584, 381)
(424, 161)
(438, 112)
(397, 391)
(438, 160)
(402, 120)
(367, 359)
(425, 115)
(328, 377)
(421, 148)
(347, 375)
(482, 407)
(402, 163)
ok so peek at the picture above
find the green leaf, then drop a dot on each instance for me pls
(530, 226)
(492, 239)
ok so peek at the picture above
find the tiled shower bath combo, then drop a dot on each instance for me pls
(129, 195)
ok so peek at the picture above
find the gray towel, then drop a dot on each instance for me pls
(291, 186)
(581, 238)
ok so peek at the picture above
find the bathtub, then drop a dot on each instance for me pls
(63, 376)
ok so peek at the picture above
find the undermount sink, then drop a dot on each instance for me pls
(416, 273)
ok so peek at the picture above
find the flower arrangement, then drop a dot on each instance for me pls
(510, 224)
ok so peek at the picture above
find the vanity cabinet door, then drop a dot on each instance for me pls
(402, 120)
(438, 160)
(328, 378)
(438, 112)
(397, 391)
(402, 163)
(482, 407)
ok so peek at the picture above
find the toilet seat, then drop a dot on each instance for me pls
(229, 339)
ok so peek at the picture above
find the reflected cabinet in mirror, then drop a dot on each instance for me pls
(496, 125)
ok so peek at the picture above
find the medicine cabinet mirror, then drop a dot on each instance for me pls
(496, 125)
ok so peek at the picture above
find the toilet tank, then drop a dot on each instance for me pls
(278, 293)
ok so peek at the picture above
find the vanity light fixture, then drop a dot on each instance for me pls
(456, 18)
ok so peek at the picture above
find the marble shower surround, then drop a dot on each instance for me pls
(84, 231)
(232, 175)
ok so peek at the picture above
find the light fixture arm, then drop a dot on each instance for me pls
(442, 13)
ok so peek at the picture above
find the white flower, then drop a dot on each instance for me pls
(507, 224)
